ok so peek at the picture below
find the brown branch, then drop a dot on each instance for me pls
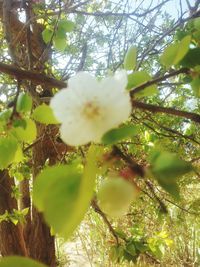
(157, 109)
(102, 214)
(159, 79)
(15, 100)
(36, 77)
(135, 167)
(123, 14)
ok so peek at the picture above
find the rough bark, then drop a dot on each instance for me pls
(41, 242)
(34, 239)
(25, 202)
(11, 236)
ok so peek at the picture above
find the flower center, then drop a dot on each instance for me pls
(91, 110)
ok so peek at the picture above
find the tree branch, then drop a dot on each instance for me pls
(36, 77)
(157, 109)
(159, 79)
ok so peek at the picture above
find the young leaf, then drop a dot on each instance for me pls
(130, 58)
(44, 114)
(27, 134)
(64, 195)
(47, 35)
(18, 261)
(60, 43)
(197, 23)
(67, 25)
(8, 148)
(139, 77)
(195, 84)
(24, 103)
(174, 53)
(192, 58)
(167, 168)
(115, 135)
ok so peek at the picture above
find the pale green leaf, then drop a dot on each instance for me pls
(60, 43)
(18, 155)
(139, 77)
(47, 35)
(8, 148)
(67, 25)
(24, 103)
(27, 134)
(115, 135)
(130, 58)
(17, 261)
(174, 53)
(44, 114)
(63, 194)
(195, 84)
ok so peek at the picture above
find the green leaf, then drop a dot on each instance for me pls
(115, 135)
(174, 53)
(44, 114)
(24, 103)
(64, 195)
(17, 261)
(67, 25)
(172, 188)
(47, 35)
(18, 155)
(60, 43)
(196, 22)
(195, 84)
(5, 115)
(8, 148)
(27, 134)
(4, 118)
(130, 58)
(60, 34)
(192, 58)
(130, 248)
(167, 168)
(139, 77)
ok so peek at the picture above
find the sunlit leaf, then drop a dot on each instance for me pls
(24, 103)
(17, 261)
(60, 43)
(44, 114)
(174, 53)
(139, 77)
(27, 134)
(130, 58)
(8, 148)
(67, 25)
(115, 135)
(47, 35)
(195, 84)
(63, 193)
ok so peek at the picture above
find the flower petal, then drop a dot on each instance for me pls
(116, 82)
(75, 134)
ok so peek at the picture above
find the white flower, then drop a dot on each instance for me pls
(88, 108)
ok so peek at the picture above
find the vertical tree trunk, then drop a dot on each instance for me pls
(41, 242)
(34, 239)
(11, 236)
(25, 202)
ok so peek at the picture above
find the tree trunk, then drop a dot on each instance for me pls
(26, 48)
(25, 202)
(11, 236)
(41, 242)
